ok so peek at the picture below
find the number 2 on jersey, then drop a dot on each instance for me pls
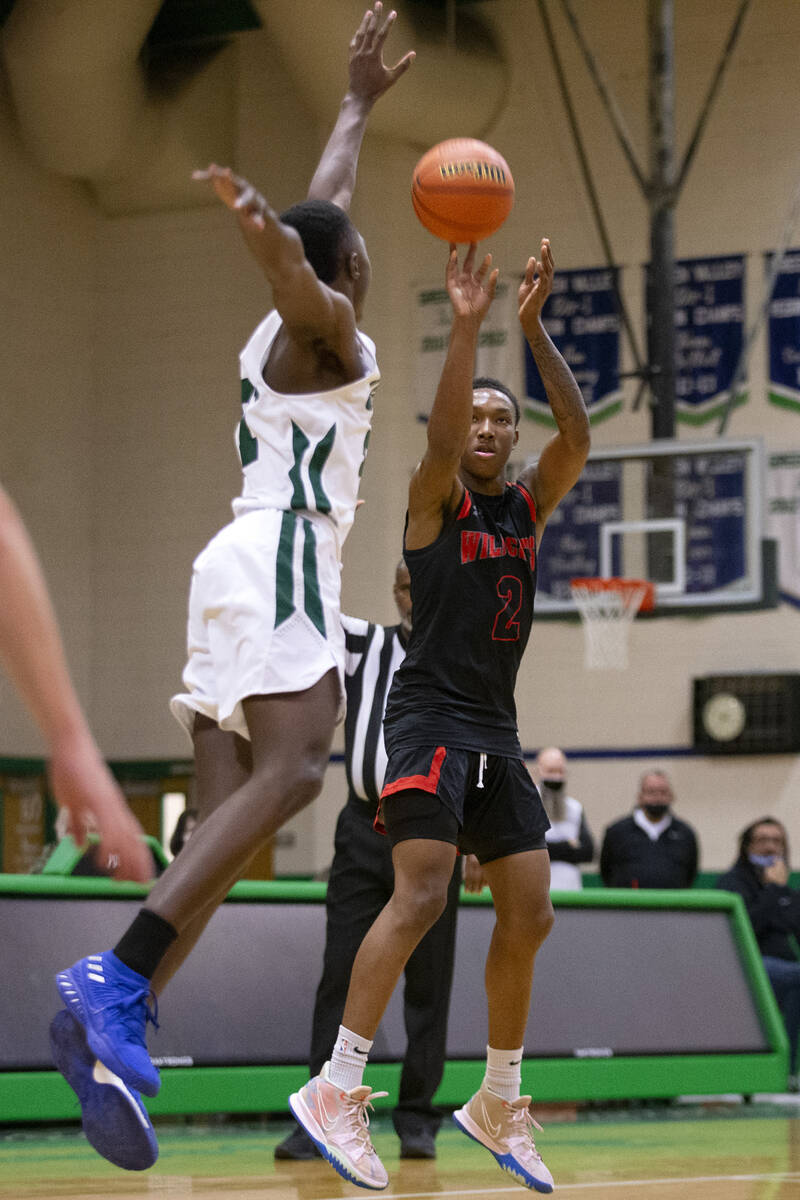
(506, 627)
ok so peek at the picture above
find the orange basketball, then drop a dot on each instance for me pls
(462, 190)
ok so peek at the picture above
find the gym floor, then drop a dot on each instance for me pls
(714, 1150)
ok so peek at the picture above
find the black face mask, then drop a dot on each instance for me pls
(553, 785)
(655, 812)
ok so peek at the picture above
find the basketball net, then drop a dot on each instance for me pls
(607, 608)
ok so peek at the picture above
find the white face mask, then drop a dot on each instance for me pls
(762, 860)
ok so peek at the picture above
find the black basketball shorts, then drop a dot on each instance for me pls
(484, 804)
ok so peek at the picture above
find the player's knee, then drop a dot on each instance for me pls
(305, 782)
(423, 904)
(531, 925)
(541, 918)
(291, 785)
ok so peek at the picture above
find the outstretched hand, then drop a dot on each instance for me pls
(257, 221)
(471, 292)
(235, 193)
(536, 287)
(369, 75)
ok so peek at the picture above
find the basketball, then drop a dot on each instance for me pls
(462, 190)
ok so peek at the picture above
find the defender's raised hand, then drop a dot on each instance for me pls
(235, 193)
(369, 75)
(535, 287)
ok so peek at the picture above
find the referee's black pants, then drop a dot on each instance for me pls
(360, 884)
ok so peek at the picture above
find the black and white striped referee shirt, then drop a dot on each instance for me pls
(373, 654)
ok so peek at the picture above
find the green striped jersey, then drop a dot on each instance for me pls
(305, 451)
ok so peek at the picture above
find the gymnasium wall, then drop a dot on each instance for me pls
(48, 267)
(119, 362)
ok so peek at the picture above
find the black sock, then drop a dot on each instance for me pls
(145, 942)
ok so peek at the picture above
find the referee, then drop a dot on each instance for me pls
(360, 884)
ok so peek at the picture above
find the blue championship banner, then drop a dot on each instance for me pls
(710, 497)
(581, 318)
(571, 543)
(784, 334)
(709, 334)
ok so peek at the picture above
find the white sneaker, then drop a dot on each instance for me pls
(338, 1124)
(506, 1129)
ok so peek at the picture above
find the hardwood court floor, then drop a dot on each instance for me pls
(701, 1155)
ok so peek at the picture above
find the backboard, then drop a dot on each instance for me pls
(688, 516)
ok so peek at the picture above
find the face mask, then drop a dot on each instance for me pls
(762, 860)
(654, 812)
(553, 785)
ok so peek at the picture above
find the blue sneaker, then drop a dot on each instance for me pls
(114, 1119)
(110, 1002)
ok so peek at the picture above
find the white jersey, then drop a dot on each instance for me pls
(566, 876)
(305, 451)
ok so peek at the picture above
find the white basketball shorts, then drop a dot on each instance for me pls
(264, 615)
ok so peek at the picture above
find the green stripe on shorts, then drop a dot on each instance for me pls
(312, 598)
(284, 570)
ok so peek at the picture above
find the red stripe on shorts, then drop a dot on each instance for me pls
(421, 783)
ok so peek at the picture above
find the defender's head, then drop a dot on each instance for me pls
(334, 248)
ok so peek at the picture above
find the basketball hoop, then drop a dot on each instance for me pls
(607, 608)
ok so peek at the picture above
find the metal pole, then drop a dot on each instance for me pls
(705, 112)
(661, 280)
(591, 191)
(605, 93)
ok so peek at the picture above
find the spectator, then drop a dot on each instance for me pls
(569, 840)
(184, 828)
(760, 875)
(651, 848)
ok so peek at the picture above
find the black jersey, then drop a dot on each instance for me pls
(472, 591)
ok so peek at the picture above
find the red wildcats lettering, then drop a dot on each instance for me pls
(470, 540)
(476, 545)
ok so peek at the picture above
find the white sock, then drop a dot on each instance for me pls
(503, 1072)
(349, 1059)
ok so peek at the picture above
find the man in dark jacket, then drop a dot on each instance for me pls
(761, 877)
(651, 848)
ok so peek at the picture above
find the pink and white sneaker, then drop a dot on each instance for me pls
(505, 1128)
(338, 1124)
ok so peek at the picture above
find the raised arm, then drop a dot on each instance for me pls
(311, 311)
(33, 654)
(435, 488)
(563, 458)
(335, 176)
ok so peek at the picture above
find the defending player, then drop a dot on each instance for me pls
(264, 678)
(455, 777)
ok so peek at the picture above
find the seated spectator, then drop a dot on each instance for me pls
(760, 875)
(651, 848)
(184, 828)
(569, 840)
(92, 863)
